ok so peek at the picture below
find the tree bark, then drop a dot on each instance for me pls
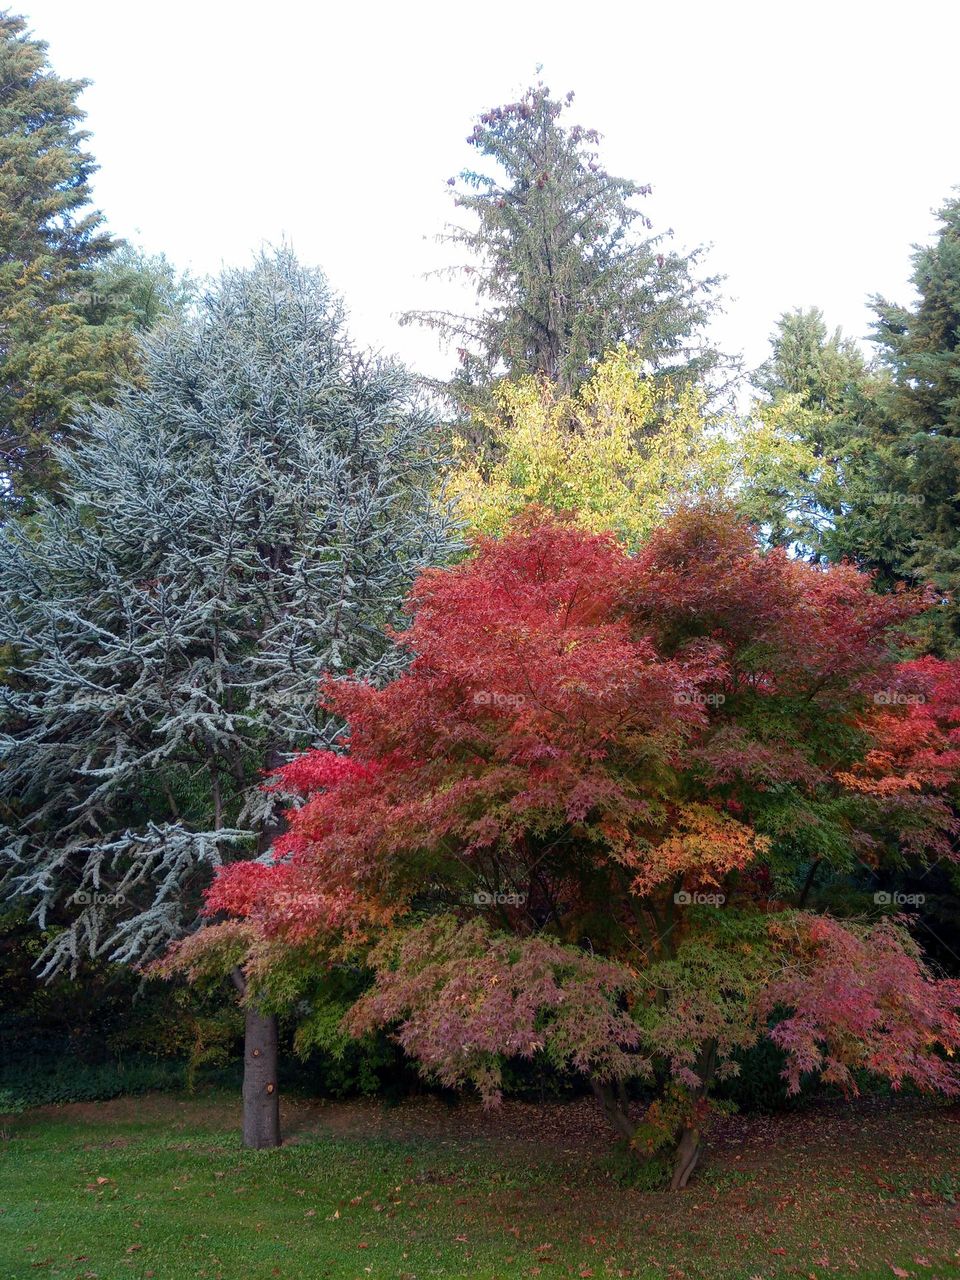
(808, 883)
(261, 1097)
(690, 1146)
(687, 1155)
(261, 1057)
(614, 1105)
(261, 1093)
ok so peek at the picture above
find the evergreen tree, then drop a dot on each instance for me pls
(246, 521)
(561, 260)
(135, 288)
(921, 347)
(66, 323)
(813, 459)
(808, 361)
(862, 462)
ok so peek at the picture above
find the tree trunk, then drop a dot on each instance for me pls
(808, 883)
(261, 1058)
(687, 1155)
(690, 1146)
(261, 1097)
(614, 1103)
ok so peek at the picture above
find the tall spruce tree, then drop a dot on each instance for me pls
(68, 311)
(921, 347)
(246, 521)
(561, 260)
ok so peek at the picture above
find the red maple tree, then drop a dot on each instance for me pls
(585, 821)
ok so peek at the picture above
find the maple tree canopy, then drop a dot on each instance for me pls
(577, 824)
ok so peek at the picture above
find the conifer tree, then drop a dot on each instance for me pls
(861, 461)
(68, 300)
(561, 259)
(812, 460)
(246, 521)
(921, 347)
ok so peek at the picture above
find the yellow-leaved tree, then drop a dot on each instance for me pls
(620, 452)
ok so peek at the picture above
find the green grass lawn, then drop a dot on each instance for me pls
(160, 1187)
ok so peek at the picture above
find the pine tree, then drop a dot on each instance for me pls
(561, 260)
(66, 329)
(247, 520)
(862, 461)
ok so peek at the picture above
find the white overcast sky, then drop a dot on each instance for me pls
(807, 142)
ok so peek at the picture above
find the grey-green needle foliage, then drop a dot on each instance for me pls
(244, 522)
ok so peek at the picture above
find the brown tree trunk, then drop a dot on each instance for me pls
(690, 1146)
(614, 1103)
(685, 1161)
(261, 1097)
(261, 1058)
(808, 883)
(261, 1094)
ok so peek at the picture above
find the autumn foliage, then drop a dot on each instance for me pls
(580, 822)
